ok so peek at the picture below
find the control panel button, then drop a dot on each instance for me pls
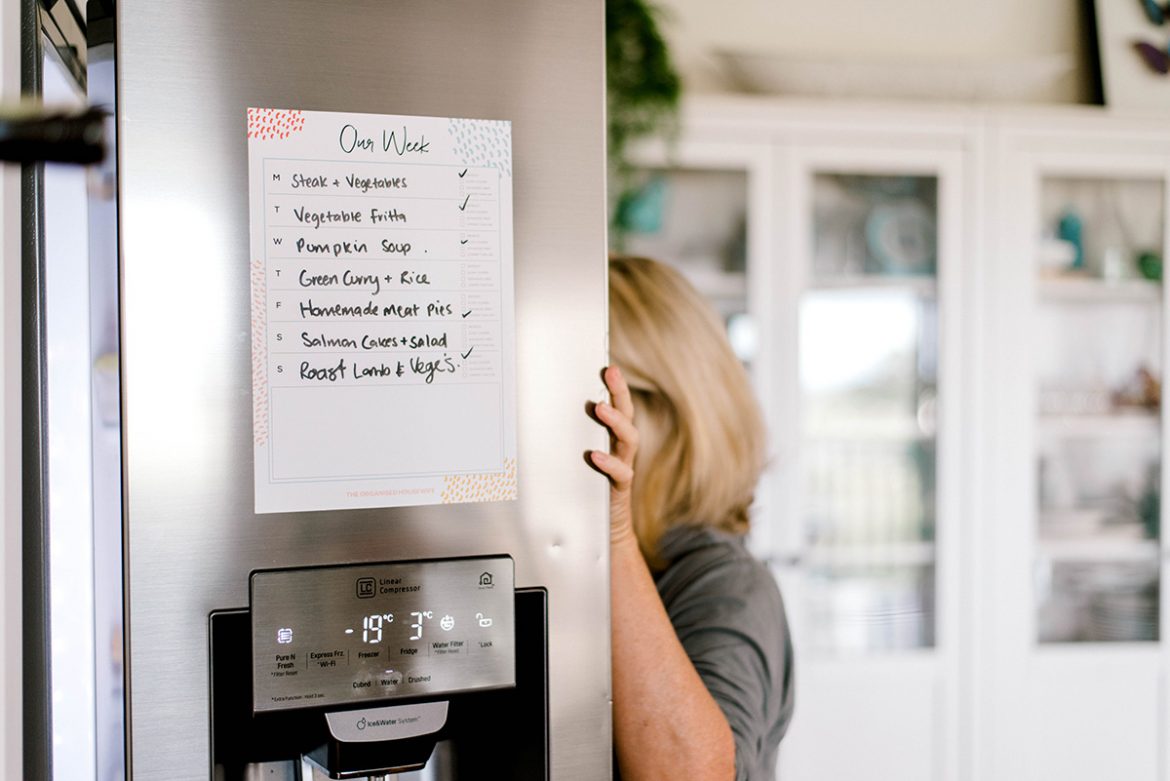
(328, 659)
(389, 679)
(448, 647)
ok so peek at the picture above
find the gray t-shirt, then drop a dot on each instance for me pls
(728, 614)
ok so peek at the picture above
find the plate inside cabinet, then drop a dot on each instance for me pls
(901, 237)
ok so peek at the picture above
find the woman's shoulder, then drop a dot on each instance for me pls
(728, 614)
(711, 566)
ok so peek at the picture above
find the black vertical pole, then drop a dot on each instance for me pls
(38, 722)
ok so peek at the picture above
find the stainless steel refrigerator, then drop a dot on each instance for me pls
(186, 73)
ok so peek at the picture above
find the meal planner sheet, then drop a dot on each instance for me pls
(383, 313)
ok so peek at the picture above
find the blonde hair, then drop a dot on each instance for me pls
(701, 430)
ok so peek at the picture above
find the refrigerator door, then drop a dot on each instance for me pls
(186, 74)
(70, 539)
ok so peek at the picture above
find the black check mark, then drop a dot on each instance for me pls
(468, 352)
(465, 200)
(465, 314)
(464, 241)
(463, 174)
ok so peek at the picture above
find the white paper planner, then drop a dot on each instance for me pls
(383, 323)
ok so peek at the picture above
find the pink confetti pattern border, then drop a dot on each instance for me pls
(490, 487)
(267, 124)
(259, 354)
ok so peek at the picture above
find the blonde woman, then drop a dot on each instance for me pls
(702, 662)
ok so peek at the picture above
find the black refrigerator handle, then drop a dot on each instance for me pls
(35, 653)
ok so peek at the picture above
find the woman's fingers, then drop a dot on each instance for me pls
(617, 470)
(624, 432)
(619, 391)
(617, 465)
(619, 416)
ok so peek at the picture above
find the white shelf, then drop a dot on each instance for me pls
(1100, 549)
(866, 430)
(1121, 424)
(1095, 290)
(1090, 654)
(890, 554)
(924, 286)
(1058, 525)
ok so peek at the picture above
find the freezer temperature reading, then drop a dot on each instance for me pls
(372, 627)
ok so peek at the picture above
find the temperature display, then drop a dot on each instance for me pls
(330, 635)
(417, 626)
(372, 627)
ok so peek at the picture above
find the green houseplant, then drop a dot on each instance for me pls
(643, 91)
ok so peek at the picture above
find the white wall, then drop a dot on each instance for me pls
(919, 30)
(10, 612)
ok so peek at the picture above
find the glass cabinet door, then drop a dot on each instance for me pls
(696, 219)
(868, 372)
(871, 407)
(1071, 557)
(1098, 379)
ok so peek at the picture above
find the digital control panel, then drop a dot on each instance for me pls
(346, 634)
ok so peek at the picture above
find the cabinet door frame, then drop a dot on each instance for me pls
(1026, 151)
(946, 156)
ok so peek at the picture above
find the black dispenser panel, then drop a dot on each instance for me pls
(503, 732)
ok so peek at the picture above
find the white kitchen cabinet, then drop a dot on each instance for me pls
(963, 505)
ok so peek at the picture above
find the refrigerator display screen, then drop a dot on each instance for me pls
(356, 633)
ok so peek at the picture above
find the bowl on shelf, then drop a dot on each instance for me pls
(991, 80)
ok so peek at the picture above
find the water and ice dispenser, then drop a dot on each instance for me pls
(366, 670)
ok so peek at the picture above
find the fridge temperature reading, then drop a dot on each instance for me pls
(417, 626)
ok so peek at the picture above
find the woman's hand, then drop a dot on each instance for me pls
(618, 463)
